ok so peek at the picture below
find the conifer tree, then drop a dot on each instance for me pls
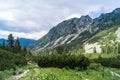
(10, 40)
(25, 49)
(17, 45)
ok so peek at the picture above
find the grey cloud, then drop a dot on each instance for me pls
(41, 15)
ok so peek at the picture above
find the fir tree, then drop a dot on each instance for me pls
(17, 45)
(25, 49)
(10, 40)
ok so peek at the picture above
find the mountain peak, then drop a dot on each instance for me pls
(77, 30)
(117, 9)
(85, 17)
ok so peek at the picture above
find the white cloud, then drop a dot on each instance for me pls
(31, 35)
(74, 15)
(28, 16)
(7, 16)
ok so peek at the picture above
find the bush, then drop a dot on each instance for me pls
(113, 62)
(10, 60)
(94, 66)
(63, 60)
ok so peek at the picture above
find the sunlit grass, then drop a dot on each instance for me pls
(104, 55)
(68, 74)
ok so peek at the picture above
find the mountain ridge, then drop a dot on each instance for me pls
(77, 30)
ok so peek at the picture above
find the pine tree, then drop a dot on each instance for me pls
(25, 49)
(10, 40)
(17, 46)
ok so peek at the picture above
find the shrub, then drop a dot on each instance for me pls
(94, 66)
(63, 60)
(113, 62)
(10, 60)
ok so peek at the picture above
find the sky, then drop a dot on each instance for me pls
(34, 18)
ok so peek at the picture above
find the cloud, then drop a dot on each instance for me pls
(25, 17)
(31, 35)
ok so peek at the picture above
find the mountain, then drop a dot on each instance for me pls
(26, 42)
(105, 40)
(65, 32)
(23, 41)
(76, 31)
(2, 39)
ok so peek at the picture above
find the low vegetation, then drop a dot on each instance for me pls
(99, 73)
(10, 60)
(12, 54)
(58, 64)
(63, 60)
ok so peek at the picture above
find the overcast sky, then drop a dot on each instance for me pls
(34, 18)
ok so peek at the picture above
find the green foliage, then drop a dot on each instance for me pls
(60, 49)
(63, 60)
(14, 47)
(6, 74)
(17, 46)
(24, 49)
(68, 74)
(113, 62)
(119, 48)
(104, 36)
(94, 66)
(10, 60)
(3, 44)
(10, 40)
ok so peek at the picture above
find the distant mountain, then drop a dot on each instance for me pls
(2, 39)
(26, 42)
(76, 31)
(23, 41)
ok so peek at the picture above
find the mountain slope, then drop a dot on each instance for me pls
(76, 31)
(64, 32)
(105, 38)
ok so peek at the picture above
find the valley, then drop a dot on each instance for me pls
(33, 72)
(75, 49)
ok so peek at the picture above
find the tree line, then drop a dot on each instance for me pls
(12, 54)
(13, 45)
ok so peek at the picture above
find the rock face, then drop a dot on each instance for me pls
(65, 32)
(77, 30)
(118, 34)
(93, 48)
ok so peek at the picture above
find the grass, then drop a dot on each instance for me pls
(7, 74)
(101, 73)
(103, 55)
(68, 74)
(37, 73)
(104, 35)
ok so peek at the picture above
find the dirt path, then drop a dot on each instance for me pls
(16, 77)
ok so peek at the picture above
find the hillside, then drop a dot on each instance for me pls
(106, 38)
(64, 33)
(74, 32)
